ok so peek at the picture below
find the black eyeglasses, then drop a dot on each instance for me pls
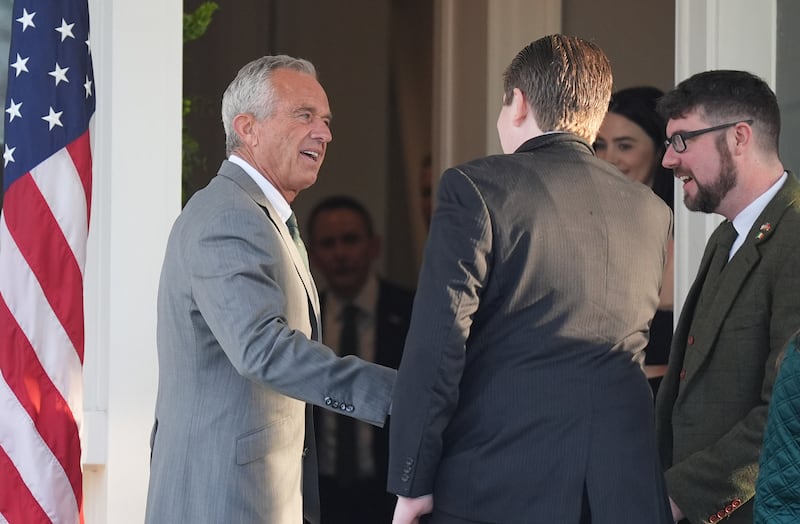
(678, 140)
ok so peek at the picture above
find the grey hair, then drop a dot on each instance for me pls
(252, 92)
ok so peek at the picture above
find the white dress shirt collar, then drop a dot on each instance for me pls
(744, 221)
(366, 300)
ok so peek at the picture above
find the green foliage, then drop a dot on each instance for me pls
(195, 25)
(191, 158)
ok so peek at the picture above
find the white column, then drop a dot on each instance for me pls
(716, 34)
(513, 24)
(137, 51)
(473, 43)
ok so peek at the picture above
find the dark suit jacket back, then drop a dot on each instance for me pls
(520, 389)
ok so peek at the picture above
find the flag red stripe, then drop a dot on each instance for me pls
(46, 251)
(39, 397)
(81, 152)
(16, 501)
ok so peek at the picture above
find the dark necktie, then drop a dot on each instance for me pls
(346, 458)
(724, 242)
(294, 231)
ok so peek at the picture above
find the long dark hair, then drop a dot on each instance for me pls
(638, 104)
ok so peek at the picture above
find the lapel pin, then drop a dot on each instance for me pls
(763, 230)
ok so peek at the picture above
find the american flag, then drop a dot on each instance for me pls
(43, 228)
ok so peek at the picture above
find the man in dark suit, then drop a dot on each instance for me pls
(521, 395)
(238, 322)
(343, 247)
(743, 306)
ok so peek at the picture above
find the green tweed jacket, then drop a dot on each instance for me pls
(712, 404)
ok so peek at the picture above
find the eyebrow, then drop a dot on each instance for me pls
(617, 139)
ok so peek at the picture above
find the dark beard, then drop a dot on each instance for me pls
(709, 197)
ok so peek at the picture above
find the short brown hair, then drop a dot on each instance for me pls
(567, 82)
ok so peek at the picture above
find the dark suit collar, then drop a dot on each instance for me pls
(550, 139)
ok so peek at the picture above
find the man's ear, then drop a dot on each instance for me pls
(743, 136)
(244, 126)
(519, 106)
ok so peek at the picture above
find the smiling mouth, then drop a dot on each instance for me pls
(684, 178)
(313, 155)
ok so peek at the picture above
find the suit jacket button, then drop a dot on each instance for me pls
(405, 478)
(350, 408)
(728, 508)
(683, 374)
(721, 513)
(328, 401)
(335, 404)
(343, 406)
(713, 518)
(690, 340)
(736, 503)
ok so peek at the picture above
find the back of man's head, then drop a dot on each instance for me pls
(567, 82)
(727, 96)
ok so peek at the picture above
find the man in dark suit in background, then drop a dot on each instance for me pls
(711, 409)
(521, 395)
(367, 316)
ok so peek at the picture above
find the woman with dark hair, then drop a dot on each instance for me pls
(632, 138)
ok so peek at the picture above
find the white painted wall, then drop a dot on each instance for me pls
(137, 51)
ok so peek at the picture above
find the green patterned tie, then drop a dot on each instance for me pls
(295, 232)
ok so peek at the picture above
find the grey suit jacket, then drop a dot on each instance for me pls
(712, 404)
(238, 324)
(520, 392)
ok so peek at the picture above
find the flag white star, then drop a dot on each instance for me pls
(88, 46)
(54, 119)
(65, 30)
(88, 87)
(21, 64)
(26, 19)
(13, 110)
(59, 74)
(8, 155)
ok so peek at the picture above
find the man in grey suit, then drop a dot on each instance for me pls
(521, 395)
(238, 322)
(711, 408)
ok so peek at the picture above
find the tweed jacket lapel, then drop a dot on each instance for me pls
(243, 180)
(733, 277)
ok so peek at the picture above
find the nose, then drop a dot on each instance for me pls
(670, 159)
(321, 131)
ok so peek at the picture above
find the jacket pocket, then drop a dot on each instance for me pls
(258, 443)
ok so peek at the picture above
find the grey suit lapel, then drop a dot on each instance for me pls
(243, 180)
(735, 274)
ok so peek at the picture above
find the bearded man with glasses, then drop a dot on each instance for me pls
(723, 129)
